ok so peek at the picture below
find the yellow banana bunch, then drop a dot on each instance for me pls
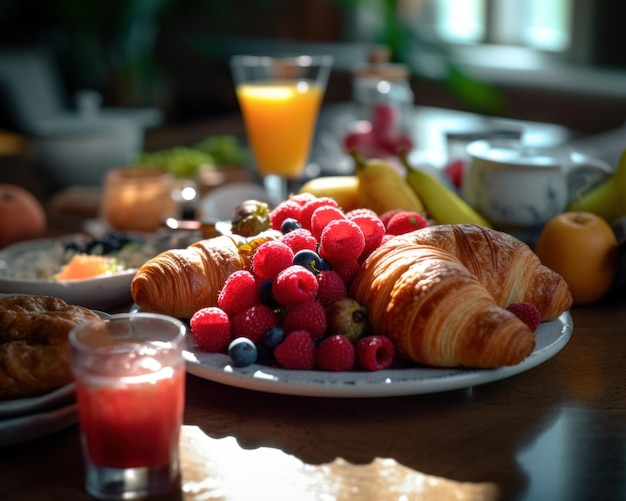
(442, 204)
(382, 187)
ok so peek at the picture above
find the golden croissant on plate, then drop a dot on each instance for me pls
(178, 282)
(439, 293)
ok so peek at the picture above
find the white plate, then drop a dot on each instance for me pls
(98, 293)
(25, 428)
(23, 406)
(551, 338)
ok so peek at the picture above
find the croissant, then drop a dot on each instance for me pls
(423, 292)
(179, 282)
(506, 266)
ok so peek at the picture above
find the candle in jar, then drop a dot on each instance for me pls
(138, 198)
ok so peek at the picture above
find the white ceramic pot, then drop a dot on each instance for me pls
(515, 185)
(77, 150)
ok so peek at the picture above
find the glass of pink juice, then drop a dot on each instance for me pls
(280, 99)
(130, 388)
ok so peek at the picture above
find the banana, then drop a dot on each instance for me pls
(442, 204)
(342, 189)
(607, 199)
(382, 187)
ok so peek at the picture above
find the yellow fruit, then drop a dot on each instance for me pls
(342, 189)
(442, 204)
(582, 248)
(382, 187)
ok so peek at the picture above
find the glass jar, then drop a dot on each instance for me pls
(384, 101)
(139, 198)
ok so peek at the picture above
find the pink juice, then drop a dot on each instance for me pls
(133, 421)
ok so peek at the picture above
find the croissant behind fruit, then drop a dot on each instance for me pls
(179, 282)
(424, 293)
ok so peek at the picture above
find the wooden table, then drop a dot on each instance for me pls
(555, 432)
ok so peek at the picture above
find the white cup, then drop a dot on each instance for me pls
(519, 186)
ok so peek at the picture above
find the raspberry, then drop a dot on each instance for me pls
(386, 216)
(309, 209)
(527, 313)
(309, 316)
(296, 352)
(335, 353)
(285, 209)
(374, 353)
(271, 258)
(302, 198)
(373, 230)
(455, 172)
(322, 216)
(341, 240)
(405, 222)
(295, 285)
(361, 211)
(211, 328)
(253, 322)
(300, 239)
(331, 287)
(347, 270)
(238, 293)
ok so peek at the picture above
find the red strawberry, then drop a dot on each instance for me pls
(405, 222)
(527, 313)
(296, 352)
(335, 353)
(210, 328)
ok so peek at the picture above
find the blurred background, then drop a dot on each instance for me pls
(559, 61)
(84, 81)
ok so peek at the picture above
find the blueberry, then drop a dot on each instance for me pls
(290, 224)
(273, 337)
(266, 295)
(242, 352)
(309, 259)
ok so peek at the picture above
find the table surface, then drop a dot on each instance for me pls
(558, 430)
(555, 432)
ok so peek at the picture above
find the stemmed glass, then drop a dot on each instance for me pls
(280, 99)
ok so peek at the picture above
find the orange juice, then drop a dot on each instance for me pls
(280, 120)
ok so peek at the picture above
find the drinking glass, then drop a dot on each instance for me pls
(280, 99)
(130, 384)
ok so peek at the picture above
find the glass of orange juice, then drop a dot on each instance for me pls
(280, 99)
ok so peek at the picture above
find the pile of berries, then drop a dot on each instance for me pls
(382, 136)
(292, 308)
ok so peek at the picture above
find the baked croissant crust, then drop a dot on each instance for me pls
(424, 293)
(506, 266)
(179, 282)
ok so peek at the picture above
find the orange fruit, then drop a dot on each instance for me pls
(582, 248)
(22, 217)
